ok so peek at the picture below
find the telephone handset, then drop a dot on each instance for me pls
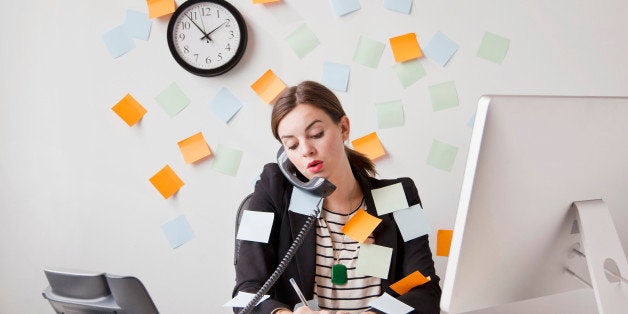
(317, 186)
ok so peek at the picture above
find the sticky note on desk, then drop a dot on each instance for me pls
(335, 76)
(243, 298)
(137, 24)
(493, 47)
(442, 155)
(389, 114)
(166, 182)
(387, 304)
(401, 6)
(268, 86)
(172, 100)
(412, 222)
(302, 41)
(129, 110)
(224, 105)
(405, 47)
(443, 242)
(409, 72)
(255, 226)
(369, 145)
(440, 48)
(443, 95)
(368, 52)
(344, 7)
(389, 199)
(194, 148)
(178, 231)
(227, 160)
(408, 282)
(157, 8)
(303, 202)
(118, 41)
(360, 226)
(373, 260)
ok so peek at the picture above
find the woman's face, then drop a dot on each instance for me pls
(313, 142)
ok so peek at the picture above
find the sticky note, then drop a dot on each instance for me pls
(442, 155)
(471, 121)
(224, 105)
(412, 222)
(387, 304)
(178, 231)
(157, 8)
(335, 76)
(401, 6)
(440, 48)
(303, 202)
(302, 41)
(404, 285)
(255, 226)
(443, 95)
(369, 145)
(172, 100)
(227, 160)
(493, 47)
(268, 86)
(264, 1)
(137, 24)
(194, 148)
(443, 242)
(344, 7)
(368, 52)
(243, 298)
(166, 182)
(129, 110)
(389, 199)
(409, 72)
(360, 226)
(405, 47)
(373, 260)
(389, 114)
(118, 41)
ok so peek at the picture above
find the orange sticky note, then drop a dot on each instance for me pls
(157, 8)
(443, 242)
(369, 145)
(129, 110)
(268, 86)
(166, 182)
(361, 225)
(405, 47)
(408, 282)
(194, 148)
(264, 1)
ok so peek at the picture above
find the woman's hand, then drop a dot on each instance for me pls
(307, 310)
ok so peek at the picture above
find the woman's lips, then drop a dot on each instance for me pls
(315, 166)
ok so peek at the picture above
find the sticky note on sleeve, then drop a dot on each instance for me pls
(443, 242)
(166, 182)
(412, 222)
(194, 148)
(404, 285)
(255, 226)
(360, 226)
(129, 110)
(369, 145)
(268, 86)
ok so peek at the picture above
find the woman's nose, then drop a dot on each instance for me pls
(307, 149)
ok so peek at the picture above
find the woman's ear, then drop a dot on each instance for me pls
(345, 127)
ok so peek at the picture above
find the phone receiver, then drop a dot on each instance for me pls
(318, 186)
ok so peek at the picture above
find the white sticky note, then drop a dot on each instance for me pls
(386, 303)
(343, 7)
(255, 226)
(373, 260)
(389, 199)
(242, 299)
(401, 6)
(137, 24)
(225, 105)
(303, 203)
(412, 222)
(335, 76)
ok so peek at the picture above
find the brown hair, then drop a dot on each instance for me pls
(319, 96)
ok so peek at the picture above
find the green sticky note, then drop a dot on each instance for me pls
(389, 199)
(409, 72)
(373, 260)
(172, 99)
(443, 96)
(442, 155)
(227, 160)
(368, 52)
(493, 47)
(389, 114)
(302, 41)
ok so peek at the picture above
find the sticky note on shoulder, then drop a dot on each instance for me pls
(129, 110)
(404, 285)
(268, 87)
(255, 226)
(166, 182)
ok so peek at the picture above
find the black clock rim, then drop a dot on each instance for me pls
(219, 70)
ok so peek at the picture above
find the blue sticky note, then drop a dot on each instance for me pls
(412, 222)
(178, 231)
(401, 6)
(440, 48)
(343, 7)
(137, 24)
(336, 76)
(304, 203)
(471, 121)
(224, 105)
(118, 41)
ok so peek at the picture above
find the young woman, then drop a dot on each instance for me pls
(311, 125)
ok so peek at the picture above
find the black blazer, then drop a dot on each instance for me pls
(257, 261)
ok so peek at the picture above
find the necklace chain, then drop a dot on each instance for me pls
(344, 236)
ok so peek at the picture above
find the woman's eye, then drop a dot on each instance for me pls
(292, 147)
(318, 135)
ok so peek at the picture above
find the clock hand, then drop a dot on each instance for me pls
(199, 28)
(213, 30)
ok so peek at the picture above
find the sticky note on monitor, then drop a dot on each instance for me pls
(166, 182)
(137, 24)
(255, 226)
(194, 148)
(243, 298)
(440, 48)
(335, 76)
(389, 114)
(442, 155)
(118, 41)
(178, 231)
(368, 52)
(387, 304)
(360, 226)
(373, 260)
(157, 8)
(172, 100)
(412, 222)
(268, 87)
(443, 242)
(227, 160)
(389, 199)
(129, 110)
(303, 202)
(369, 145)
(409, 72)
(404, 285)
(302, 41)
(493, 47)
(405, 47)
(344, 7)
(224, 105)
(443, 96)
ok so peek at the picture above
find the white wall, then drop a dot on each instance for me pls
(74, 189)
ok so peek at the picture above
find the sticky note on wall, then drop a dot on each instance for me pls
(405, 47)
(443, 242)
(172, 99)
(157, 8)
(178, 231)
(268, 86)
(194, 148)
(227, 160)
(368, 52)
(302, 41)
(369, 145)
(166, 182)
(493, 47)
(129, 110)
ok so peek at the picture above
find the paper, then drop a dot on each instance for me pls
(172, 100)
(303, 202)
(369, 145)
(302, 41)
(412, 222)
(335, 76)
(227, 160)
(166, 182)
(117, 41)
(443, 95)
(471, 121)
(440, 48)
(178, 231)
(129, 110)
(493, 47)
(268, 87)
(373, 260)
(360, 226)
(243, 298)
(387, 304)
(405, 47)
(157, 8)
(343, 7)
(409, 72)
(137, 24)
(389, 114)
(368, 52)
(408, 282)
(389, 199)
(442, 155)
(401, 6)
(443, 242)
(194, 148)
(224, 105)
(255, 226)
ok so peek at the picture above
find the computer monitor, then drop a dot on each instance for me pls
(516, 234)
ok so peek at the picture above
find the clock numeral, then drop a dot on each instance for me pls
(181, 36)
(196, 57)
(219, 56)
(185, 25)
(217, 13)
(207, 11)
(186, 49)
(208, 60)
(231, 34)
(194, 15)
(228, 23)
(228, 47)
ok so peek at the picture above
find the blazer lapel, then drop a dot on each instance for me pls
(305, 258)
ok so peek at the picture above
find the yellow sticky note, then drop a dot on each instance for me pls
(443, 242)
(129, 110)
(405, 47)
(264, 1)
(408, 282)
(360, 226)
(157, 8)
(268, 86)
(369, 145)
(194, 148)
(166, 182)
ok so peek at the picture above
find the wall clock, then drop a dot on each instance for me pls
(207, 37)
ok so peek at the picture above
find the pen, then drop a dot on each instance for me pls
(299, 293)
